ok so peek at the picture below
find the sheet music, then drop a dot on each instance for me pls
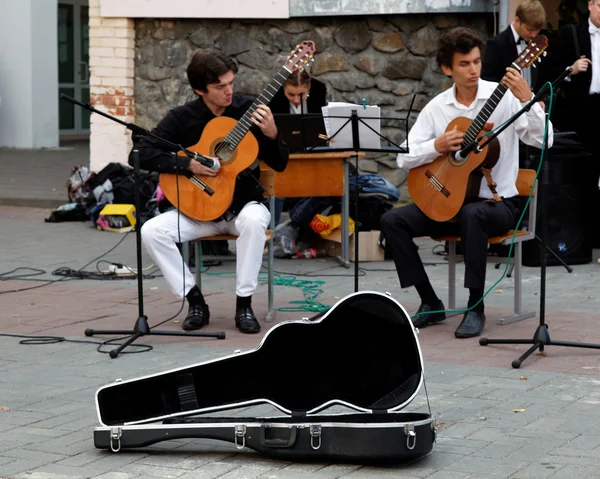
(368, 138)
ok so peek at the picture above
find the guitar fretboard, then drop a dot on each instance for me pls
(480, 120)
(244, 124)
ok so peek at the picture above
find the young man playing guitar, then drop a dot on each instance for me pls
(459, 57)
(211, 76)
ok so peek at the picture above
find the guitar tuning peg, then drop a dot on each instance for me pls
(545, 53)
(534, 65)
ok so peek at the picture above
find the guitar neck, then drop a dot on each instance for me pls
(244, 124)
(480, 120)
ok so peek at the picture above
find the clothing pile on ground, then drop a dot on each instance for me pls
(376, 195)
(88, 193)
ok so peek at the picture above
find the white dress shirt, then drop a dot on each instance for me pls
(434, 118)
(298, 109)
(526, 72)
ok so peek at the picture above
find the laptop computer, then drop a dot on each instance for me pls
(301, 132)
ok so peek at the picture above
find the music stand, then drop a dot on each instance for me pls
(355, 121)
(541, 336)
(140, 327)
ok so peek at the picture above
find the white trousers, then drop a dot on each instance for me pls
(160, 234)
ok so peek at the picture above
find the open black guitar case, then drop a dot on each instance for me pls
(362, 354)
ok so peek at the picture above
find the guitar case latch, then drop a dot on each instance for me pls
(115, 439)
(240, 433)
(315, 436)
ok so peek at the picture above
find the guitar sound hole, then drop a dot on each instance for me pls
(223, 151)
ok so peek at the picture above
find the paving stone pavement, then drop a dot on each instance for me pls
(47, 409)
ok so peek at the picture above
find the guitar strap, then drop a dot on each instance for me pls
(487, 172)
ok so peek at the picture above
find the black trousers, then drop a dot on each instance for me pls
(475, 223)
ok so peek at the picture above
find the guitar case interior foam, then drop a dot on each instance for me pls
(362, 354)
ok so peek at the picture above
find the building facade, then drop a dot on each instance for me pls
(127, 57)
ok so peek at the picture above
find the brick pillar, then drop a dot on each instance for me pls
(112, 52)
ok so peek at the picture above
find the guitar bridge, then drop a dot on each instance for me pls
(433, 180)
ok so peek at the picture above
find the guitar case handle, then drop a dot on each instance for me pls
(278, 441)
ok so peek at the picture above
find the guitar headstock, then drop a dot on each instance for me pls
(532, 51)
(301, 56)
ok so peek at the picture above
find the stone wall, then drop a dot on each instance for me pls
(388, 60)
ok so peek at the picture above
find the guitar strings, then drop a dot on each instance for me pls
(470, 134)
(238, 132)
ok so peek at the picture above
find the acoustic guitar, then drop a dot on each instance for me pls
(233, 144)
(440, 188)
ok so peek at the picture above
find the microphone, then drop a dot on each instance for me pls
(211, 163)
(462, 155)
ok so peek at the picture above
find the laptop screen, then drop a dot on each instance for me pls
(301, 132)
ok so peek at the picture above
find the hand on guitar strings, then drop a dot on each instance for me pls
(199, 169)
(517, 85)
(263, 118)
(450, 140)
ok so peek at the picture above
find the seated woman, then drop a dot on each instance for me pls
(300, 94)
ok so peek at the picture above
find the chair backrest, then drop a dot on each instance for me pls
(525, 182)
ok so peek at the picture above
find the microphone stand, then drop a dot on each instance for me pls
(541, 336)
(141, 327)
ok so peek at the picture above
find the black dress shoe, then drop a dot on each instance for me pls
(424, 320)
(198, 316)
(472, 325)
(246, 321)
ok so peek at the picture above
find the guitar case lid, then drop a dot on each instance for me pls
(363, 353)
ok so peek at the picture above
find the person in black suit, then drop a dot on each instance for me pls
(504, 48)
(579, 47)
(577, 107)
(299, 94)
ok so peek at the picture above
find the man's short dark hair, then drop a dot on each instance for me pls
(207, 66)
(458, 40)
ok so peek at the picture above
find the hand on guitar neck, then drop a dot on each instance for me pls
(263, 118)
(517, 85)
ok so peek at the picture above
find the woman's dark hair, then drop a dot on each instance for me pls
(458, 40)
(207, 66)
